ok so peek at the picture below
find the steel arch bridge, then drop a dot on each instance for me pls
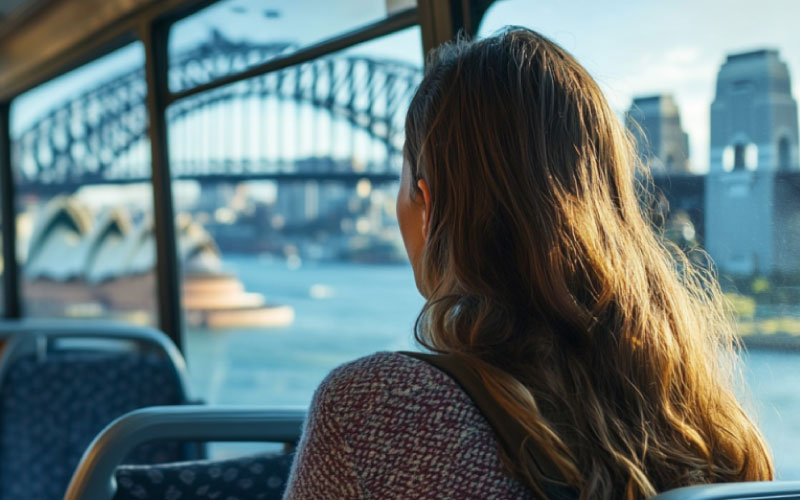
(100, 136)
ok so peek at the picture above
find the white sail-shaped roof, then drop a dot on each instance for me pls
(140, 249)
(104, 248)
(67, 245)
(197, 250)
(54, 251)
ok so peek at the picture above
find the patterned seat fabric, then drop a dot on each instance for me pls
(51, 409)
(257, 477)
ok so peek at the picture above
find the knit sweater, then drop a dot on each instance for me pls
(389, 426)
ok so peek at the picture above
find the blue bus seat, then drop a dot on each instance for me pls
(99, 476)
(62, 382)
(759, 490)
(261, 477)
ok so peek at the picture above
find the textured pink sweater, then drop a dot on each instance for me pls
(389, 426)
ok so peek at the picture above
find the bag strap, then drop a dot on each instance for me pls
(509, 432)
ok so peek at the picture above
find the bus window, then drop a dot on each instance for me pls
(81, 163)
(233, 35)
(698, 87)
(284, 189)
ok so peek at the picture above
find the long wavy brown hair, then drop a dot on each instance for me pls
(543, 272)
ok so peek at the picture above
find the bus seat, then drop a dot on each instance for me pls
(11, 327)
(98, 476)
(759, 490)
(261, 476)
(62, 382)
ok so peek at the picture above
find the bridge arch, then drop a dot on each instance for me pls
(81, 142)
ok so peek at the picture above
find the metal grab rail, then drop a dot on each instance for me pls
(759, 490)
(94, 477)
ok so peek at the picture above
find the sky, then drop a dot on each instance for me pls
(641, 47)
(303, 22)
(631, 47)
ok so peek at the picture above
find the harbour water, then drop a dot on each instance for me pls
(344, 311)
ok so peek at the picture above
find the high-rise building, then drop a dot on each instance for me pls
(298, 202)
(754, 116)
(754, 139)
(655, 122)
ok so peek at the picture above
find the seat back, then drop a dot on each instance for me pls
(99, 478)
(61, 385)
(758, 490)
(257, 477)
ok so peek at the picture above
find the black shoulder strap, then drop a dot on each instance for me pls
(509, 432)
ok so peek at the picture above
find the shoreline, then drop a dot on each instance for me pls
(772, 342)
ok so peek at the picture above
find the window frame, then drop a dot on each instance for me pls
(438, 20)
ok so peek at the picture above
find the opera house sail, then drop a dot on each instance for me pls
(70, 248)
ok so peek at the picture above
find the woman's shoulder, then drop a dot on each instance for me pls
(384, 400)
(393, 386)
(411, 431)
(385, 372)
(383, 366)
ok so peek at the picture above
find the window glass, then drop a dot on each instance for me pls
(81, 163)
(710, 98)
(284, 187)
(233, 35)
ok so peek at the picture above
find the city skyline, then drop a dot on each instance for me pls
(679, 55)
(635, 48)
